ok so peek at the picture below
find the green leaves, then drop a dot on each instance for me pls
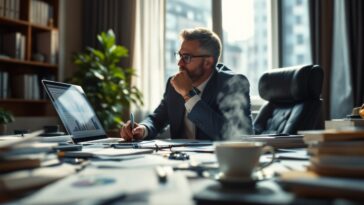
(106, 84)
(5, 116)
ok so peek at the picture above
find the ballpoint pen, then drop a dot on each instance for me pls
(132, 125)
(132, 121)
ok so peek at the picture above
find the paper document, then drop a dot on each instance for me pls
(106, 152)
(7, 143)
(145, 161)
(26, 179)
(178, 142)
(203, 149)
(93, 184)
(61, 138)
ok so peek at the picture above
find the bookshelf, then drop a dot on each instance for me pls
(28, 53)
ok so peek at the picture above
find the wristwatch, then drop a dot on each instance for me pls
(192, 93)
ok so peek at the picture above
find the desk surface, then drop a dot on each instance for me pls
(135, 180)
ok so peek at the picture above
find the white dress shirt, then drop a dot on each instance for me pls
(189, 127)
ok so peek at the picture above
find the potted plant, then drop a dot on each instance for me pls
(106, 84)
(5, 118)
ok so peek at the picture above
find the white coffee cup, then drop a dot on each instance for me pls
(241, 159)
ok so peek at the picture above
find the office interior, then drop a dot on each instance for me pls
(281, 33)
(258, 36)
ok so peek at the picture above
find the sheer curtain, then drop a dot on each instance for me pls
(341, 90)
(148, 54)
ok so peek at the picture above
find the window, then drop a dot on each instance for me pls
(245, 28)
(295, 35)
(248, 31)
(181, 14)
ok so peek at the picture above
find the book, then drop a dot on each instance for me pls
(342, 123)
(12, 44)
(40, 12)
(336, 149)
(279, 141)
(337, 170)
(20, 162)
(338, 165)
(34, 178)
(26, 86)
(350, 161)
(9, 143)
(29, 148)
(27, 161)
(47, 44)
(315, 136)
(309, 184)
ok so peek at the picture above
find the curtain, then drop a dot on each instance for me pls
(355, 26)
(148, 54)
(341, 97)
(321, 28)
(102, 15)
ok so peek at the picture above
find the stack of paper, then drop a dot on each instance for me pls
(25, 163)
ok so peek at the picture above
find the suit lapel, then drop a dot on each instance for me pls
(207, 97)
(179, 112)
(210, 89)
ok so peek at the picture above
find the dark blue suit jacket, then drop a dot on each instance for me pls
(222, 113)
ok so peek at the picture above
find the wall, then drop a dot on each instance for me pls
(70, 38)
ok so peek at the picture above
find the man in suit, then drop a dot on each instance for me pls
(204, 100)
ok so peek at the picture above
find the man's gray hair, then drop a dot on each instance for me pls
(209, 41)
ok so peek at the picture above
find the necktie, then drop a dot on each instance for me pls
(190, 128)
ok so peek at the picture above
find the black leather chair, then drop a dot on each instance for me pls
(293, 96)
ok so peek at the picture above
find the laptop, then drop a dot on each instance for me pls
(76, 113)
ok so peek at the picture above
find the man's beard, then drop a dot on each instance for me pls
(194, 76)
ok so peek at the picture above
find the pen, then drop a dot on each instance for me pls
(132, 125)
(75, 154)
(132, 121)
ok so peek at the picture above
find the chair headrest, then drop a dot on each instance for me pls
(291, 84)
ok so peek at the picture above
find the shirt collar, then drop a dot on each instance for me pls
(202, 86)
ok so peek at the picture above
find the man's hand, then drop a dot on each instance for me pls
(182, 83)
(129, 135)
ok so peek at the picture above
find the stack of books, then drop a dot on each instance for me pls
(27, 163)
(336, 167)
(336, 153)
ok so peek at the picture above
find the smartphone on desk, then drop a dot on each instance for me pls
(68, 147)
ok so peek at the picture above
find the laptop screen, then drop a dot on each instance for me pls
(76, 113)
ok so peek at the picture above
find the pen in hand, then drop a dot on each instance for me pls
(132, 123)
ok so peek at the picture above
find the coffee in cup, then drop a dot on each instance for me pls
(241, 159)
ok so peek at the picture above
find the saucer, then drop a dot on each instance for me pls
(236, 181)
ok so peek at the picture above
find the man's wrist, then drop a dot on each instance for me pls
(186, 98)
(145, 134)
(190, 94)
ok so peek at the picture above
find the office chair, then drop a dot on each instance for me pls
(293, 96)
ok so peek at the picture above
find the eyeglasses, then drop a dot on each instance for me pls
(186, 58)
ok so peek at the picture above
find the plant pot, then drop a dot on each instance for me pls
(3, 129)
